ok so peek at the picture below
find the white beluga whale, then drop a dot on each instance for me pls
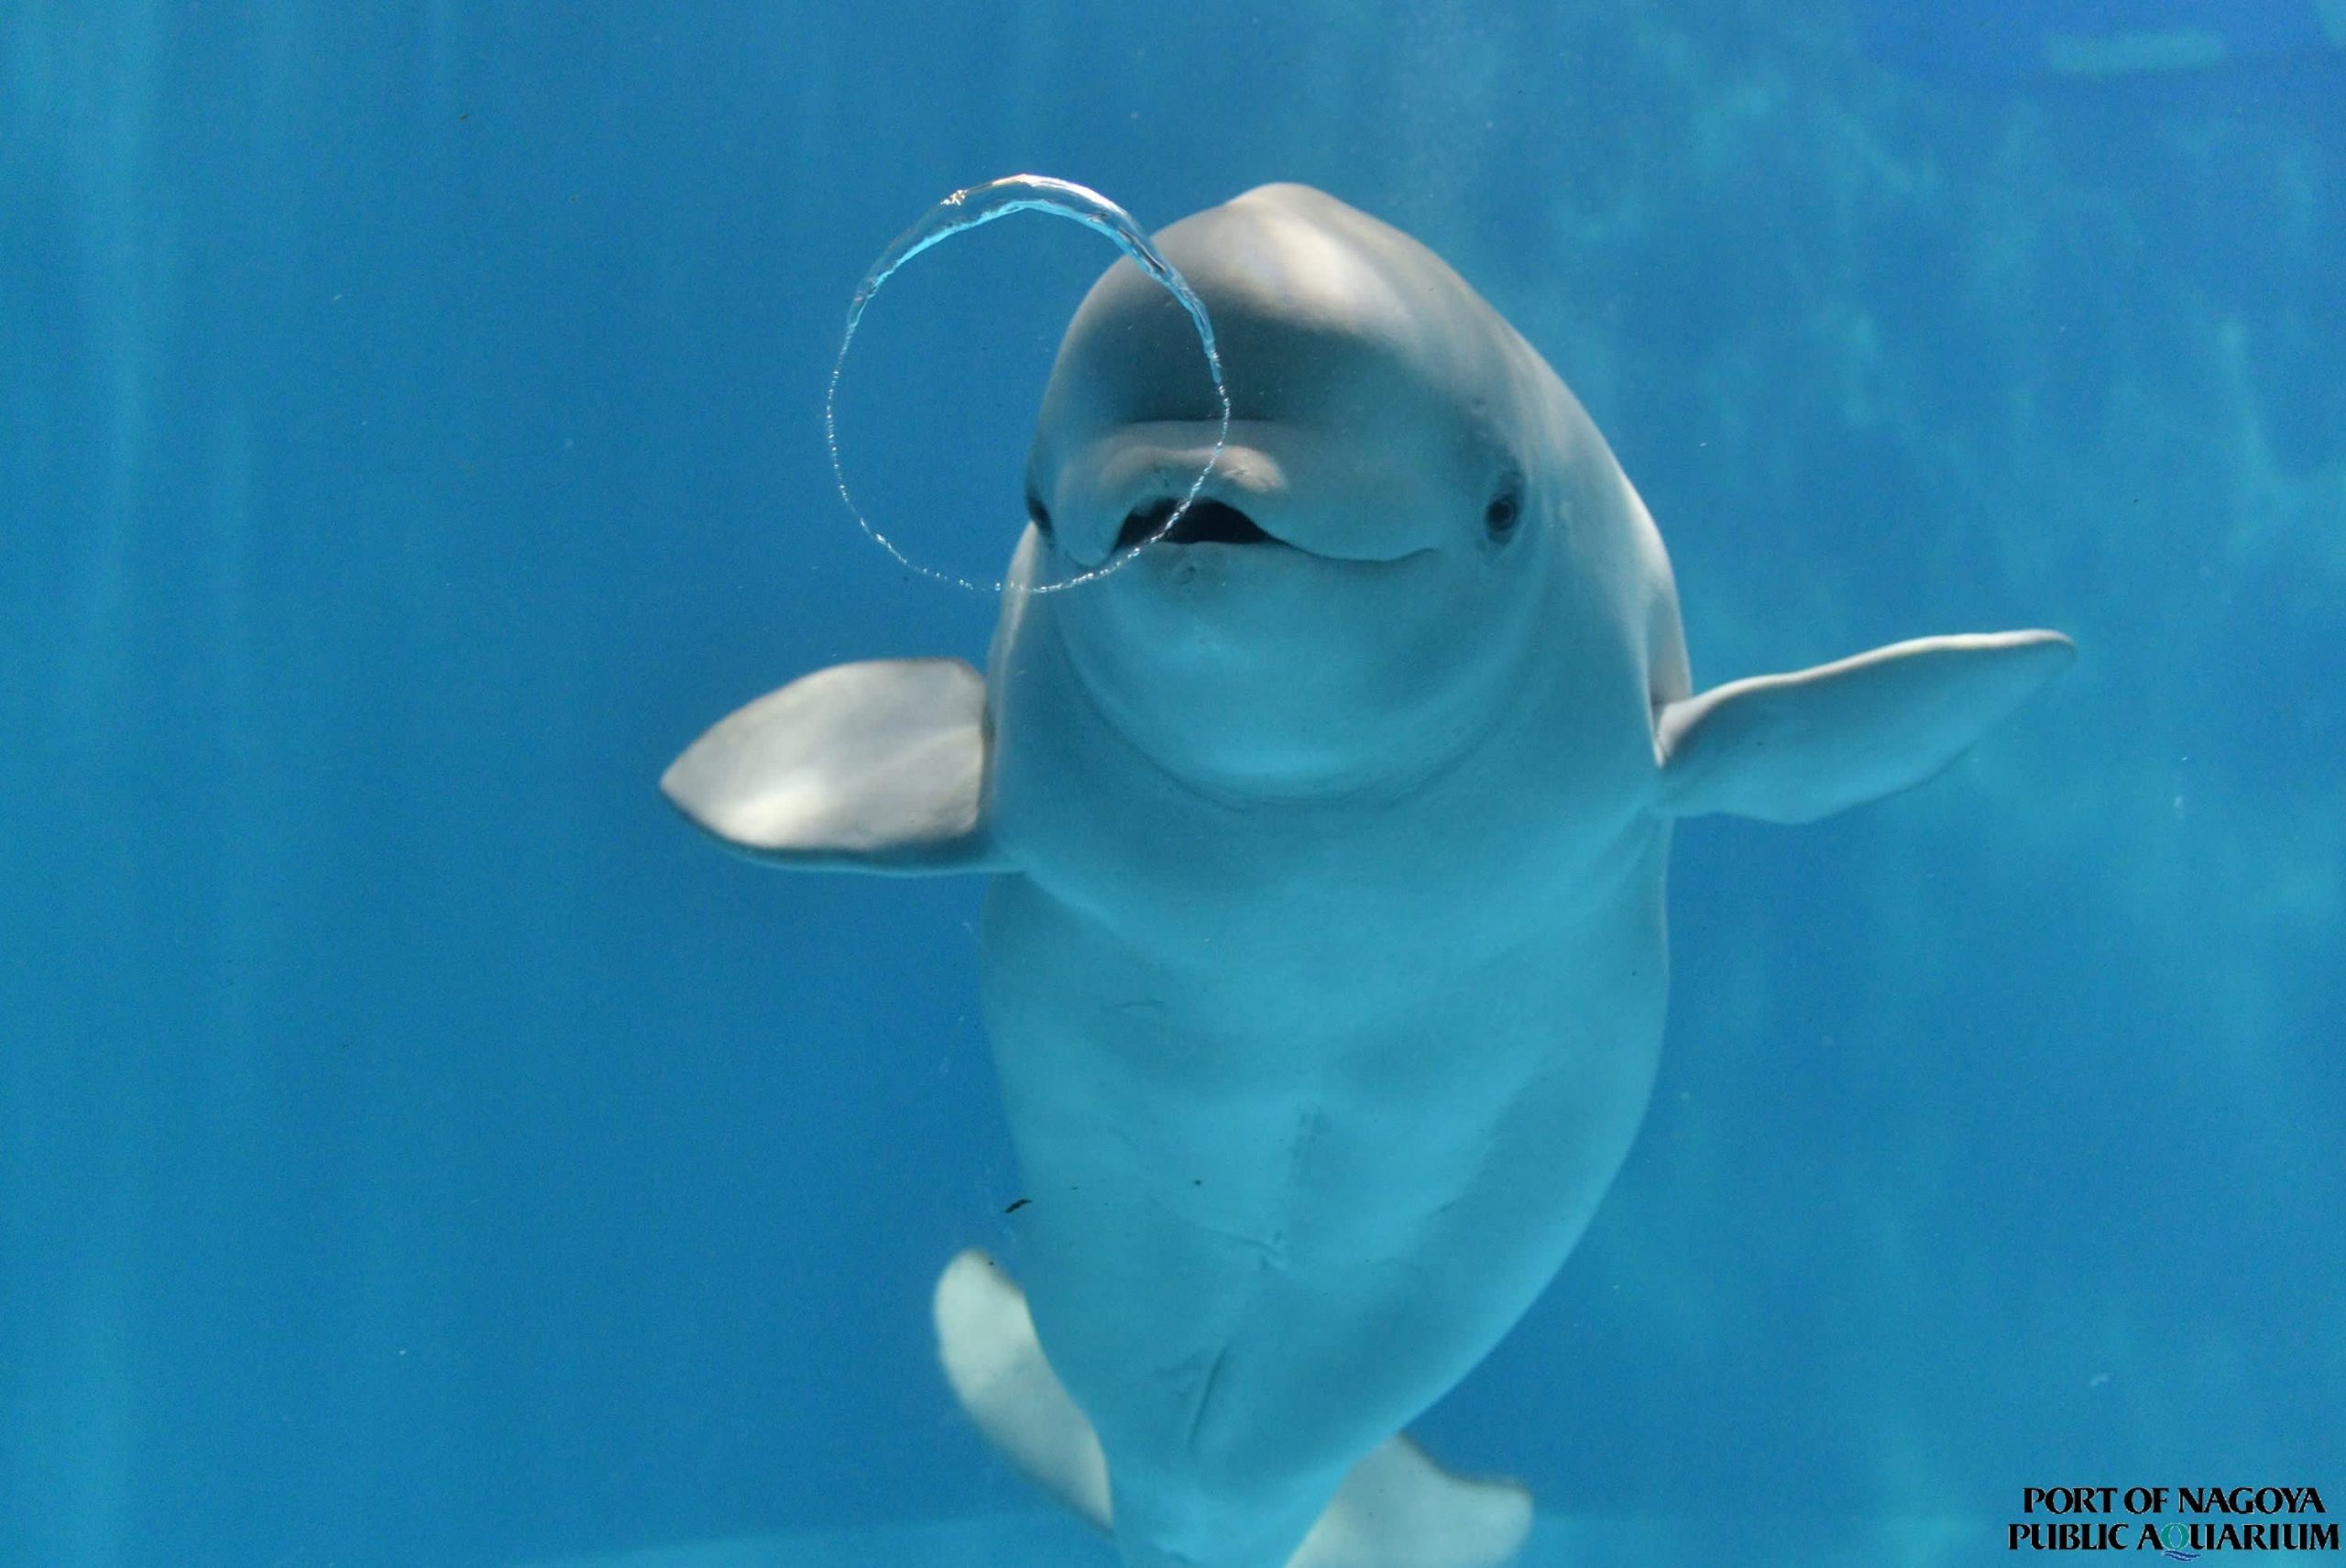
(1323, 958)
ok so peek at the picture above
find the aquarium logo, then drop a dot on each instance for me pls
(2215, 1518)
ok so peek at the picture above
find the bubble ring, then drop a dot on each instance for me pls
(966, 209)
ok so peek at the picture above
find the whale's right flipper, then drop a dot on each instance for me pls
(878, 766)
(1396, 1508)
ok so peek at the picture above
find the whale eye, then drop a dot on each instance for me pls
(1506, 510)
(1038, 514)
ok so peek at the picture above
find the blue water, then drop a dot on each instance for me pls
(416, 1146)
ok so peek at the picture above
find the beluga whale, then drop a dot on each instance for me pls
(1323, 957)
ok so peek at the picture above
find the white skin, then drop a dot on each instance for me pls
(1328, 1001)
(1325, 963)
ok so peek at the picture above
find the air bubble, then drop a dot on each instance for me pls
(981, 204)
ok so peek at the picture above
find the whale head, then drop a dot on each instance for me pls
(1359, 586)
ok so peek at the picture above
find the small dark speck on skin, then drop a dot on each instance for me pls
(1020, 1204)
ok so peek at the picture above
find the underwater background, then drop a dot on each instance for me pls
(417, 1147)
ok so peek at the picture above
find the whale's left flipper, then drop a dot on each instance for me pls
(1795, 748)
(1396, 1508)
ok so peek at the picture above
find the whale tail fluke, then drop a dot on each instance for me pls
(1396, 1508)
(986, 1340)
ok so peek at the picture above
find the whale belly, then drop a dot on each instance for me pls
(1276, 1207)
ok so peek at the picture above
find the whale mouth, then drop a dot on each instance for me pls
(1205, 523)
